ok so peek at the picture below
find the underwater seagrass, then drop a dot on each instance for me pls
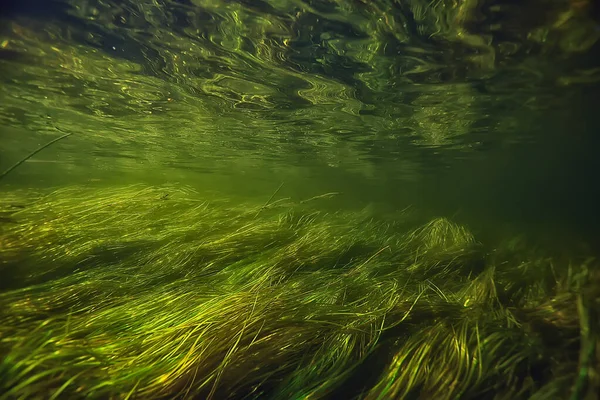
(156, 292)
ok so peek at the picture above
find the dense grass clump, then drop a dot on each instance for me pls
(138, 292)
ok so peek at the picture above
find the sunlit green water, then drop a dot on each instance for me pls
(480, 111)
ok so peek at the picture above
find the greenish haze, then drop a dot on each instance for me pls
(299, 199)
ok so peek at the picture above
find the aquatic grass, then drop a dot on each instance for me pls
(179, 296)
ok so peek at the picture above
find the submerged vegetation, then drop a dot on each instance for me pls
(156, 292)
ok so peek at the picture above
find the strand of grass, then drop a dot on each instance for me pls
(587, 321)
(270, 198)
(33, 153)
(322, 196)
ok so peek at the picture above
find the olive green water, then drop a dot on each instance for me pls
(479, 111)
(290, 199)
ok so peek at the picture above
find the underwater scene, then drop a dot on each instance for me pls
(300, 199)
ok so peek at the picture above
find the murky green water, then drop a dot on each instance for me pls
(466, 107)
(458, 107)
(390, 177)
